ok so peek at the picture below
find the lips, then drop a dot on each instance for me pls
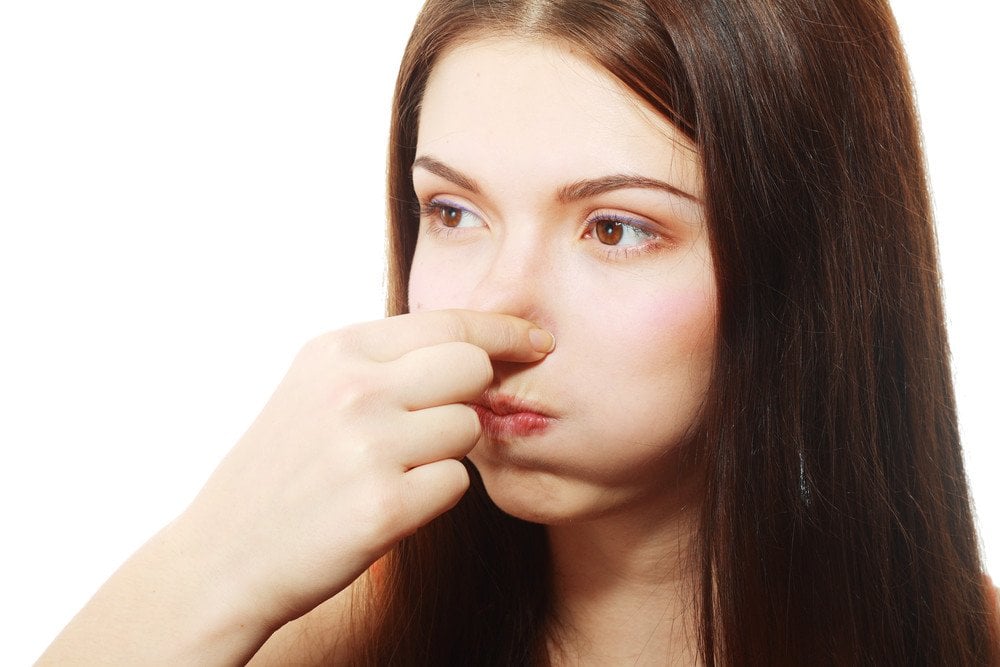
(504, 416)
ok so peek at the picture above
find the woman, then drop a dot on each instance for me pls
(740, 446)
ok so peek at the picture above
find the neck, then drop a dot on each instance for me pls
(624, 591)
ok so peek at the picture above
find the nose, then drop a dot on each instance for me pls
(516, 280)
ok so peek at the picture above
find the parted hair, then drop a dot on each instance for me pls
(836, 525)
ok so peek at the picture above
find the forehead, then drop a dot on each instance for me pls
(544, 110)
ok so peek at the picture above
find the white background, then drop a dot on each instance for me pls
(191, 190)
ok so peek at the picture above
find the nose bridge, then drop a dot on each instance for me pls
(513, 282)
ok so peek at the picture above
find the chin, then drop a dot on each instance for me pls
(535, 495)
(557, 490)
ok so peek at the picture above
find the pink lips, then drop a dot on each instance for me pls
(504, 416)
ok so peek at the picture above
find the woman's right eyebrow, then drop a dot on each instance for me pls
(444, 171)
(573, 192)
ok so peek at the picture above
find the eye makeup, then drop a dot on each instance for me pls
(444, 217)
(614, 234)
(622, 237)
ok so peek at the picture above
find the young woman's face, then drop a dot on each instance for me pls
(551, 192)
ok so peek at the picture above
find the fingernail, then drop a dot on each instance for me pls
(542, 340)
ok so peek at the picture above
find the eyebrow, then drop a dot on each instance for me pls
(575, 191)
(444, 171)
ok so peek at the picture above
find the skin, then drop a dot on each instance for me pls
(361, 441)
(507, 127)
(357, 448)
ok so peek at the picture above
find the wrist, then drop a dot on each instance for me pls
(171, 603)
(234, 602)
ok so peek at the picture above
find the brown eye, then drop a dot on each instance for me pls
(609, 232)
(450, 216)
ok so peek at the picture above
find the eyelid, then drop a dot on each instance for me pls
(643, 225)
(427, 210)
(654, 236)
(435, 203)
(438, 200)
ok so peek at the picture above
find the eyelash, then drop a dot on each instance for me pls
(653, 241)
(432, 209)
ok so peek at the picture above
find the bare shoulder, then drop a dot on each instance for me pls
(321, 637)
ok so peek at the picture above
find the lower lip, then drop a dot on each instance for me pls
(518, 424)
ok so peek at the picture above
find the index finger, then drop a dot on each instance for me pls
(503, 337)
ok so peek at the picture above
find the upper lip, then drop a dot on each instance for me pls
(505, 404)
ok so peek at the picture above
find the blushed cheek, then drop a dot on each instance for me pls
(679, 328)
(691, 316)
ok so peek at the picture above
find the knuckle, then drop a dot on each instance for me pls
(457, 476)
(509, 337)
(459, 426)
(365, 449)
(355, 390)
(456, 325)
(344, 340)
(475, 427)
(474, 364)
(311, 351)
(332, 344)
(388, 517)
(478, 362)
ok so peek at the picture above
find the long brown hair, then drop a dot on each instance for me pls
(836, 526)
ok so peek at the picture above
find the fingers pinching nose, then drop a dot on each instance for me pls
(542, 341)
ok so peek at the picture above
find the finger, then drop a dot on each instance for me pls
(503, 337)
(432, 489)
(434, 434)
(440, 374)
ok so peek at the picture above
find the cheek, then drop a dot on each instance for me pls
(433, 286)
(686, 319)
(658, 314)
(653, 370)
(686, 322)
(660, 342)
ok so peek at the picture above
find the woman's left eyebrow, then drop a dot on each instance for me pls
(592, 187)
(582, 189)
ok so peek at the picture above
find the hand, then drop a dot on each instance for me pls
(358, 447)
